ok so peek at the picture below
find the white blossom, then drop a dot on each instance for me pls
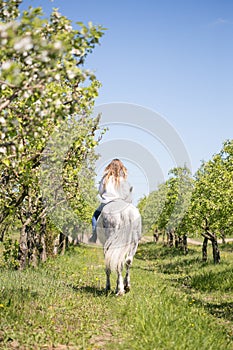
(4, 34)
(58, 45)
(6, 65)
(13, 148)
(70, 74)
(68, 28)
(43, 114)
(44, 56)
(57, 14)
(5, 26)
(6, 13)
(26, 94)
(3, 150)
(57, 103)
(76, 52)
(38, 102)
(25, 44)
(28, 61)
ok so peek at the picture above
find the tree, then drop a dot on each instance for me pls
(151, 207)
(179, 190)
(43, 87)
(166, 207)
(211, 209)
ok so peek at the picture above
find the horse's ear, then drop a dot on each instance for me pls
(131, 189)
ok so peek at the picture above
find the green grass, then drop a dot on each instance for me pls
(176, 302)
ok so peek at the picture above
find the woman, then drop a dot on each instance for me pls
(113, 186)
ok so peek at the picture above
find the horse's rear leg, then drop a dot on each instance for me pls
(108, 284)
(127, 276)
(120, 282)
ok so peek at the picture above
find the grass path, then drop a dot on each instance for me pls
(176, 302)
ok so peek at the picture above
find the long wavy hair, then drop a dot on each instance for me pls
(116, 169)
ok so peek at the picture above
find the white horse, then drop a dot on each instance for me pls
(119, 230)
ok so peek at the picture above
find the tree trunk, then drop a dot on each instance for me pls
(33, 256)
(56, 245)
(216, 253)
(170, 238)
(4, 230)
(213, 238)
(43, 253)
(33, 245)
(163, 237)
(63, 243)
(156, 236)
(204, 249)
(185, 244)
(223, 237)
(23, 245)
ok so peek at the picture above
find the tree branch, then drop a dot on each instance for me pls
(7, 102)
(8, 84)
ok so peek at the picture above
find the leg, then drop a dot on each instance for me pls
(95, 216)
(120, 282)
(108, 284)
(127, 276)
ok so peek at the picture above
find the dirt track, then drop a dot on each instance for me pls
(146, 239)
(192, 241)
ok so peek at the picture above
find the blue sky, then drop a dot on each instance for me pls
(171, 56)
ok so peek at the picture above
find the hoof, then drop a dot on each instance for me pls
(129, 261)
(120, 293)
(127, 289)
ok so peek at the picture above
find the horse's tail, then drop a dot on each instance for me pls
(124, 233)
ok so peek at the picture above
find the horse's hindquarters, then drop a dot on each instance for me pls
(119, 230)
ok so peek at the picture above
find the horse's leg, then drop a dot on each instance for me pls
(127, 276)
(108, 284)
(120, 282)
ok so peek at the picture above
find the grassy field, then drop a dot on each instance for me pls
(176, 302)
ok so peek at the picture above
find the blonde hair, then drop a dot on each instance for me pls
(116, 169)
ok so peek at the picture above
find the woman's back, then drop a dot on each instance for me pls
(110, 190)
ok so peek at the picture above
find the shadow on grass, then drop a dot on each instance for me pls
(227, 247)
(209, 281)
(152, 251)
(19, 294)
(180, 266)
(223, 310)
(92, 290)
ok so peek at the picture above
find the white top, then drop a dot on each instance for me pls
(111, 191)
